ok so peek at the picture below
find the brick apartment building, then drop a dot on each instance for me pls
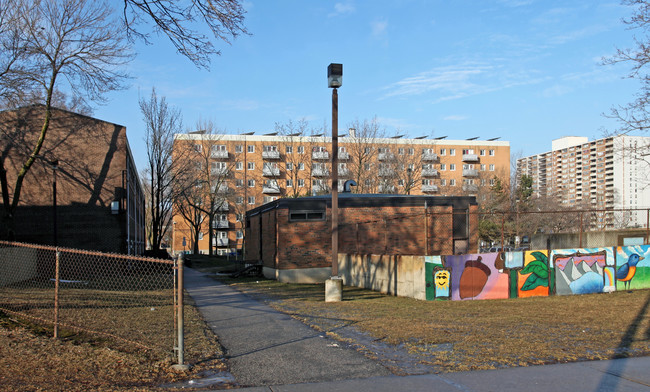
(292, 237)
(248, 170)
(100, 202)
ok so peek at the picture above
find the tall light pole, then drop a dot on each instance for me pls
(334, 286)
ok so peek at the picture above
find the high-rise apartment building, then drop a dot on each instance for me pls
(605, 174)
(241, 172)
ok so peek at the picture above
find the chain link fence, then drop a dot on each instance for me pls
(126, 302)
(563, 229)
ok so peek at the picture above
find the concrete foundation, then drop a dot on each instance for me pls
(299, 275)
(334, 289)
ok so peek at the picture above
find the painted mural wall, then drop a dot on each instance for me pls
(633, 267)
(537, 273)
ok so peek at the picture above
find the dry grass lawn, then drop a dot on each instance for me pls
(467, 335)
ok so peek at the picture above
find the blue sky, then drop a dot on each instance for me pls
(527, 71)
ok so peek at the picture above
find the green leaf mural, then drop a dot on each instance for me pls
(538, 270)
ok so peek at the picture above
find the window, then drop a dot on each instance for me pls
(366, 166)
(368, 182)
(239, 148)
(452, 166)
(427, 181)
(239, 183)
(220, 147)
(482, 167)
(443, 167)
(443, 151)
(443, 182)
(251, 183)
(301, 149)
(251, 149)
(239, 217)
(366, 150)
(239, 200)
(289, 150)
(251, 199)
(301, 183)
(251, 165)
(289, 166)
(200, 236)
(289, 183)
(400, 151)
(239, 165)
(198, 148)
(383, 150)
(482, 153)
(411, 151)
(492, 182)
(452, 182)
(491, 153)
(491, 167)
(240, 234)
(400, 182)
(268, 199)
(466, 151)
(301, 166)
(306, 215)
(452, 152)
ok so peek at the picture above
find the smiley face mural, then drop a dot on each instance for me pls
(441, 280)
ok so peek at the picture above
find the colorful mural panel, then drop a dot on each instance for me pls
(514, 259)
(533, 279)
(633, 267)
(477, 276)
(431, 263)
(442, 282)
(581, 271)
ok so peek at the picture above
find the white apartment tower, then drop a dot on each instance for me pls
(611, 173)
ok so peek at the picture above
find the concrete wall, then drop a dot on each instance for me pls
(403, 276)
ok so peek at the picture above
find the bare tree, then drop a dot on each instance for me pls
(296, 153)
(161, 123)
(73, 43)
(224, 19)
(363, 152)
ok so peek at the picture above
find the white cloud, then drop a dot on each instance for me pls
(342, 9)
(378, 28)
(454, 82)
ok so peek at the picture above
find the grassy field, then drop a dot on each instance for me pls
(467, 335)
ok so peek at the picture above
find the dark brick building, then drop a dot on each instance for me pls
(100, 202)
(292, 237)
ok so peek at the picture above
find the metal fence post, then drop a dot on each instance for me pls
(57, 269)
(180, 348)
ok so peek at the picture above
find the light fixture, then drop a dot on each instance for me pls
(335, 75)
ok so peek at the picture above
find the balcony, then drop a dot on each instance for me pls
(429, 156)
(222, 207)
(386, 172)
(220, 242)
(219, 171)
(219, 154)
(220, 224)
(429, 172)
(320, 155)
(319, 189)
(320, 172)
(470, 173)
(270, 154)
(471, 188)
(386, 156)
(470, 158)
(221, 188)
(271, 189)
(430, 188)
(386, 189)
(343, 172)
(343, 156)
(271, 171)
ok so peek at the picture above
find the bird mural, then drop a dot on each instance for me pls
(626, 272)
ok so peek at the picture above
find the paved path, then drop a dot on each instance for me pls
(270, 351)
(267, 347)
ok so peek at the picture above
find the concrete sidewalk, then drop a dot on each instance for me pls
(271, 351)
